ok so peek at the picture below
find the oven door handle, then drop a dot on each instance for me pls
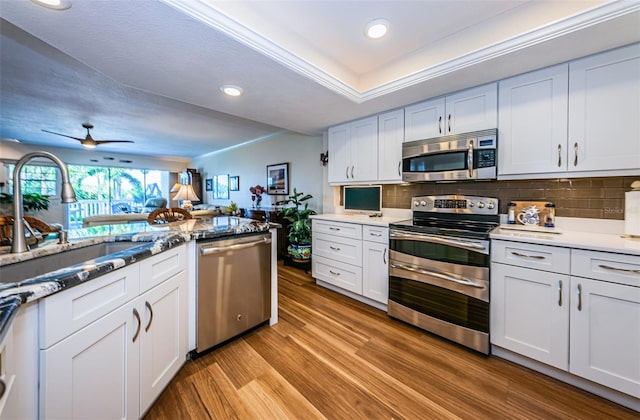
(442, 276)
(435, 239)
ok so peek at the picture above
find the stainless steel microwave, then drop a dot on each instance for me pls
(468, 156)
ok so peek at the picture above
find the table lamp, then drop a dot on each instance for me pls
(186, 194)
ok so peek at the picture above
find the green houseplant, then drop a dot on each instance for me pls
(30, 201)
(299, 229)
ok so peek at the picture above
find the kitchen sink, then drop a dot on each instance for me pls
(23, 270)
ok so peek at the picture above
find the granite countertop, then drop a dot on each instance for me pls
(157, 238)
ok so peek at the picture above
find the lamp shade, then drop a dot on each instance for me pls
(186, 192)
(176, 187)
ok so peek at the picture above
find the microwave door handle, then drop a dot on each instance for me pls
(442, 276)
(435, 239)
(470, 158)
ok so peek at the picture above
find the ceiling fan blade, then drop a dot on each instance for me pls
(63, 135)
(113, 141)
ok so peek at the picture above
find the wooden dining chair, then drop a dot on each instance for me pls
(168, 215)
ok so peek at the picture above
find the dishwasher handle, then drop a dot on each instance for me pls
(235, 247)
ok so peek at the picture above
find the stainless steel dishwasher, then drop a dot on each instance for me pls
(234, 287)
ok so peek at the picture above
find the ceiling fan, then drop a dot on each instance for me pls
(88, 141)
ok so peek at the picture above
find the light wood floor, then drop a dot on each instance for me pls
(335, 358)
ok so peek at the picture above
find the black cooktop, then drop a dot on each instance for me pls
(466, 226)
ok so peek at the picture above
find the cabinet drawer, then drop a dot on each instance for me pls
(375, 234)
(158, 268)
(617, 268)
(66, 312)
(346, 230)
(337, 248)
(345, 276)
(541, 257)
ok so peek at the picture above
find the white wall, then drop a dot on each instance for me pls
(250, 161)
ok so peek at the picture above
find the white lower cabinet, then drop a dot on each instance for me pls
(353, 258)
(117, 365)
(585, 320)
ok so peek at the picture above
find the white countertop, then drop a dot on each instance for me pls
(590, 234)
(388, 216)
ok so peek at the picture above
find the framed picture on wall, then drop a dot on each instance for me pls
(209, 184)
(278, 179)
(221, 186)
(234, 183)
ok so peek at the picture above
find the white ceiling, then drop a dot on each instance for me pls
(149, 70)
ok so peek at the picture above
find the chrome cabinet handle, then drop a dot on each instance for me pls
(575, 149)
(148, 305)
(470, 159)
(333, 228)
(137, 315)
(346, 172)
(377, 235)
(579, 292)
(399, 168)
(559, 292)
(440, 124)
(384, 256)
(334, 248)
(559, 155)
(443, 276)
(624, 270)
(352, 168)
(449, 122)
(533, 257)
(334, 273)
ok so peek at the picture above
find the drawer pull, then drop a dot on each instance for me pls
(579, 292)
(533, 257)
(137, 315)
(334, 273)
(377, 235)
(335, 248)
(624, 270)
(559, 292)
(334, 228)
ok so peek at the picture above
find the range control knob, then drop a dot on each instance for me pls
(416, 203)
(480, 204)
(423, 203)
(470, 204)
(491, 205)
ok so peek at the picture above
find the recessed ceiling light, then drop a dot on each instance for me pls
(231, 90)
(376, 29)
(54, 4)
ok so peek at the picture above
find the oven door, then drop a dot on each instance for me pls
(441, 284)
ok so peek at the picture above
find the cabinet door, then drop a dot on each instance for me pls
(364, 150)
(390, 138)
(605, 334)
(604, 110)
(375, 271)
(424, 120)
(533, 122)
(163, 343)
(339, 138)
(530, 313)
(472, 109)
(94, 372)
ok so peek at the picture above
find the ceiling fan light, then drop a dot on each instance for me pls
(54, 4)
(231, 90)
(88, 145)
(376, 29)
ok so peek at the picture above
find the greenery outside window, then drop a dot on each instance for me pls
(39, 179)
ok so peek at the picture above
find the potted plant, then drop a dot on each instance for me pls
(30, 201)
(299, 230)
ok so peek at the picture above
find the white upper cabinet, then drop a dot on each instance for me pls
(604, 111)
(353, 151)
(470, 110)
(532, 131)
(390, 138)
(572, 119)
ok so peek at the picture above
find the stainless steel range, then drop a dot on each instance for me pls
(439, 267)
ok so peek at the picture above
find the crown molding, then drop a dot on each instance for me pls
(206, 13)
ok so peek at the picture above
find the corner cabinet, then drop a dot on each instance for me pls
(572, 118)
(352, 258)
(353, 151)
(110, 346)
(469, 110)
(575, 310)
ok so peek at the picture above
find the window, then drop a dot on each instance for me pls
(39, 179)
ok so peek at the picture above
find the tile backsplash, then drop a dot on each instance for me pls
(600, 198)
